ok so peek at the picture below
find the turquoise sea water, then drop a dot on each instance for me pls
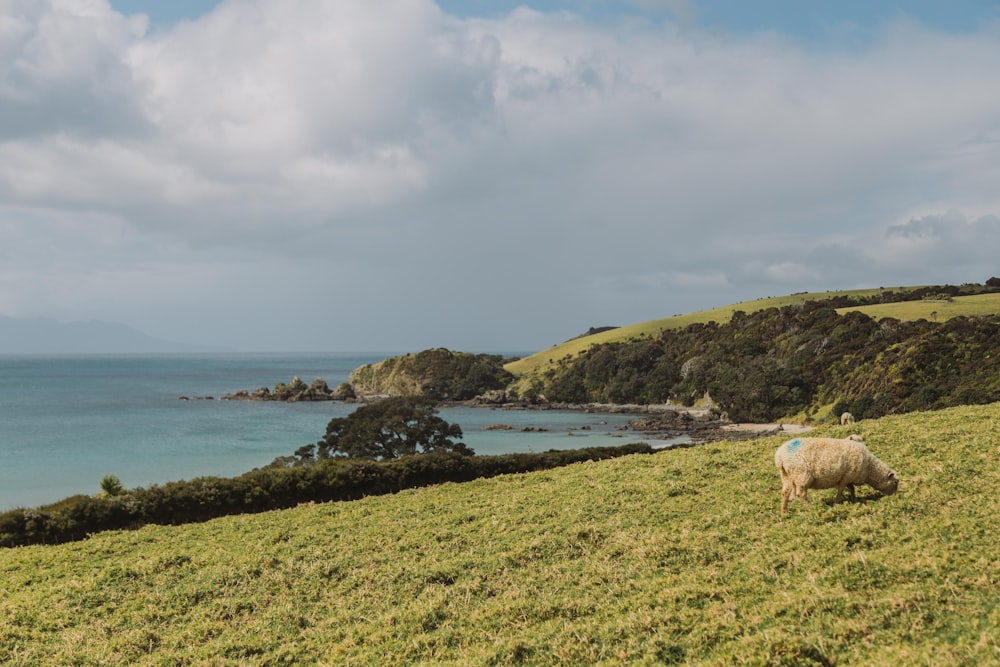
(65, 422)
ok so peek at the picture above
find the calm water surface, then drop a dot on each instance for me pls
(65, 422)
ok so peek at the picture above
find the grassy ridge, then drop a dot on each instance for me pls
(723, 314)
(679, 557)
(973, 305)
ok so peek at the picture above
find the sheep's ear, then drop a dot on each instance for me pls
(892, 475)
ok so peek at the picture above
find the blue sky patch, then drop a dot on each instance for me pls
(808, 20)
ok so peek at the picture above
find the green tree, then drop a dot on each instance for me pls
(112, 486)
(388, 429)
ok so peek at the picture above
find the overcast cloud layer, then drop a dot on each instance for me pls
(383, 176)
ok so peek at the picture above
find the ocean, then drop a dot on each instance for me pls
(67, 421)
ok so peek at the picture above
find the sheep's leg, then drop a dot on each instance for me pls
(802, 495)
(787, 490)
(840, 492)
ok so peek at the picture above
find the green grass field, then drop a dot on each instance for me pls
(939, 311)
(680, 557)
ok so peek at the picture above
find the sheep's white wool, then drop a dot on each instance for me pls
(826, 463)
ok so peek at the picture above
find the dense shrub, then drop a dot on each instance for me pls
(271, 488)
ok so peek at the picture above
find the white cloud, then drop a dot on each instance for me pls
(947, 239)
(62, 70)
(541, 171)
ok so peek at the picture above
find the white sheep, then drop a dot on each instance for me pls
(846, 418)
(826, 463)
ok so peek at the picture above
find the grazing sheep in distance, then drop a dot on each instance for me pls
(846, 418)
(826, 463)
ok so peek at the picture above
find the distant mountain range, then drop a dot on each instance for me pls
(47, 336)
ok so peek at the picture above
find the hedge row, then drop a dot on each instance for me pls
(204, 498)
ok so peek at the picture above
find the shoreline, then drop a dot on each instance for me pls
(662, 420)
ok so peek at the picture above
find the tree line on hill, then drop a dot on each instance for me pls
(807, 358)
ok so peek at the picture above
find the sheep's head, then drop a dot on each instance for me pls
(886, 482)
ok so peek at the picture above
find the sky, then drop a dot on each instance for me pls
(291, 175)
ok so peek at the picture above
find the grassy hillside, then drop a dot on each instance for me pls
(680, 557)
(573, 347)
(972, 305)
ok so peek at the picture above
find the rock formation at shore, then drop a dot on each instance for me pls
(294, 391)
(702, 426)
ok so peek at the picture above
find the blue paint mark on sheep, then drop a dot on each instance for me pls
(794, 445)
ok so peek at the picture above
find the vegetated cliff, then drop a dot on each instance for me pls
(798, 360)
(438, 373)
(935, 303)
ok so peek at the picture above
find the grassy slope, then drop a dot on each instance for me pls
(980, 304)
(680, 556)
(573, 347)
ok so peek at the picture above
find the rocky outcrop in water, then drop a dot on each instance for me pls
(295, 391)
